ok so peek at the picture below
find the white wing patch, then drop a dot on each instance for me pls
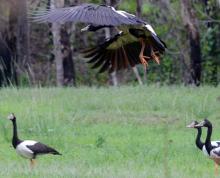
(214, 143)
(215, 153)
(121, 13)
(205, 151)
(125, 14)
(150, 28)
(23, 150)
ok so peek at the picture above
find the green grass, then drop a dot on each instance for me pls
(126, 132)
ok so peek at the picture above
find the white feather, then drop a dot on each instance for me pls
(23, 150)
(121, 13)
(215, 153)
(214, 143)
(125, 14)
(11, 116)
(150, 28)
(204, 150)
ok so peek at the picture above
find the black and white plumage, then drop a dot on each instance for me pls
(29, 149)
(87, 13)
(132, 46)
(213, 150)
(201, 145)
(135, 43)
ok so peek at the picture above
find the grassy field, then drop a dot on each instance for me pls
(126, 132)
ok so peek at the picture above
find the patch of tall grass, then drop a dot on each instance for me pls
(134, 131)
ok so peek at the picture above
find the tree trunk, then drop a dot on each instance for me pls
(65, 71)
(113, 76)
(192, 29)
(18, 35)
(22, 35)
(68, 65)
(67, 49)
(6, 67)
(56, 27)
(139, 7)
(135, 70)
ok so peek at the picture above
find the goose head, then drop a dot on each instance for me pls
(12, 117)
(204, 123)
(192, 124)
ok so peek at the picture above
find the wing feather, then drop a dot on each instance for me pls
(120, 60)
(95, 57)
(85, 13)
(40, 148)
(106, 62)
(117, 53)
(99, 61)
(114, 62)
(130, 56)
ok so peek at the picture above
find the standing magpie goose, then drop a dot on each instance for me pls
(29, 149)
(201, 145)
(135, 43)
(213, 150)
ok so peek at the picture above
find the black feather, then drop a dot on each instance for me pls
(99, 61)
(158, 44)
(106, 64)
(85, 13)
(40, 148)
(96, 57)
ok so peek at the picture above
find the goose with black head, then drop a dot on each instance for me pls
(213, 150)
(201, 145)
(29, 149)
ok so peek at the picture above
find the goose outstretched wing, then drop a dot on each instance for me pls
(120, 52)
(87, 13)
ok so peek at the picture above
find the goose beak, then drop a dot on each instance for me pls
(190, 126)
(11, 116)
(201, 124)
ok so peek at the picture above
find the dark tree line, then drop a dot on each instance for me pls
(48, 54)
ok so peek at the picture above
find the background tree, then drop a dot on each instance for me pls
(192, 31)
(35, 64)
(6, 60)
(211, 42)
(56, 29)
(113, 77)
(18, 38)
(65, 73)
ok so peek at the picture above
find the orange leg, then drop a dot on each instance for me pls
(216, 169)
(32, 163)
(143, 58)
(154, 56)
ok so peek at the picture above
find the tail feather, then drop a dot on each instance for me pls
(159, 44)
(55, 152)
(40, 148)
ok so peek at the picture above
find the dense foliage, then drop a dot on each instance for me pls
(163, 15)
